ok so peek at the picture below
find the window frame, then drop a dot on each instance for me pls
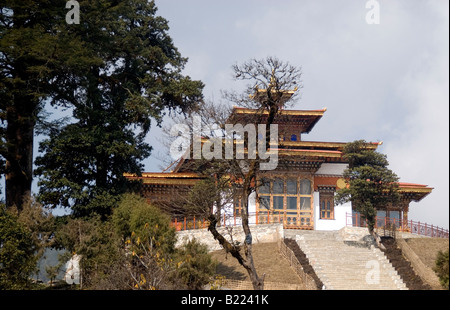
(302, 215)
(326, 197)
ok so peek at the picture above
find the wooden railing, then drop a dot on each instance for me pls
(418, 228)
(308, 281)
(228, 220)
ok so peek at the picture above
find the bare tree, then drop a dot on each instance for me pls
(272, 85)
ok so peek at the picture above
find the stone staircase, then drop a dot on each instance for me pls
(348, 260)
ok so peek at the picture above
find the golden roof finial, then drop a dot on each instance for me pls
(273, 80)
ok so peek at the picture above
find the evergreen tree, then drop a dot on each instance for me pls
(371, 185)
(33, 48)
(133, 75)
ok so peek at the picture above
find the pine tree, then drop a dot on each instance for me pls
(32, 50)
(133, 76)
(371, 186)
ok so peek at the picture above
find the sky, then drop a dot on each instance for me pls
(385, 81)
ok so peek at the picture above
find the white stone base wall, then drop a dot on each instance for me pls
(262, 233)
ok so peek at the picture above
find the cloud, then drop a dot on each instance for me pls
(384, 82)
(419, 152)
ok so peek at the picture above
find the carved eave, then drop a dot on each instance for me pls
(295, 164)
(319, 145)
(304, 120)
(415, 192)
(280, 96)
(182, 178)
(302, 153)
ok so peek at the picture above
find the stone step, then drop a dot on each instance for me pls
(344, 262)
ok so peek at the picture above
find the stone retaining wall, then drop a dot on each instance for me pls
(247, 285)
(423, 271)
(262, 233)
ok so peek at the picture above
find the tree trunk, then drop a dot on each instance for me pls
(245, 261)
(258, 283)
(377, 238)
(19, 157)
(234, 250)
(21, 118)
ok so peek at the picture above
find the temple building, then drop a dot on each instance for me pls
(300, 191)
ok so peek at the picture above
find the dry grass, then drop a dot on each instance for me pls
(427, 248)
(267, 260)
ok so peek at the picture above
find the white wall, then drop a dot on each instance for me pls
(339, 221)
(262, 233)
(332, 169)
(252, 208)
(229, 216)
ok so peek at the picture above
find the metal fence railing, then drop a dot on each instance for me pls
(352, 219)
(381, 222)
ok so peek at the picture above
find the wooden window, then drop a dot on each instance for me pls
(264, 194)
(237, 207)
(305, 195)
(326, 205)
(292, 203)
(305, 203)
(264, 188)
(305, 187)
(264, 202)
(287, 198)
(291, 194)
(278, 194)
(278, 202)
(291, 187)
(278, 187)
(237, 203)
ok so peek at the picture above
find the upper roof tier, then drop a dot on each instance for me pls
(302, 120)
(279, 96)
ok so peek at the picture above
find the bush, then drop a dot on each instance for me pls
(97, 243)
(134, 216)
(441, 268)
(17, 259)
(135, 249)
(195, 265)
(149, 243)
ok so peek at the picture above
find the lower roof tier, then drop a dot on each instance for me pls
(410, 191)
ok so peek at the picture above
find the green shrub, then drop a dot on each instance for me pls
(17, 259)
(134, 216)
(441, 268)
(195, 265)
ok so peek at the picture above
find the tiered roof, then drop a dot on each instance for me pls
(302, 120)
(413, 191)
(292, 153)
(170, 178)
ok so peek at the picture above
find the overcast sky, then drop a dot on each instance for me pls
(379, 82)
